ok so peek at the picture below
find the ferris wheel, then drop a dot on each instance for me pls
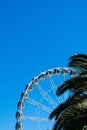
(39, 99)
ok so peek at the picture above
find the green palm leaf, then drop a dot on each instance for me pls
(79, 62)
(72, 114)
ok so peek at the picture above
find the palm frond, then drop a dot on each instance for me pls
(81, 56)
(67, 105)
(78, 61)
(72, 114)
(75, 122)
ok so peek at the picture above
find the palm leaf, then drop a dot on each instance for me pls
(72, 114)
(78, 61)
(67, 105)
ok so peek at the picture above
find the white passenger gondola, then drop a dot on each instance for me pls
(34, 82)
(24, 96)
(29, 87)
(49, 73)
(73, 73)
(42, 76)
(19, 115)
(65, 71)
(19, 126)
(20, 105)
(57, 71)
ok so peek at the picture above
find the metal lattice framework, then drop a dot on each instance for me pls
(43, 99)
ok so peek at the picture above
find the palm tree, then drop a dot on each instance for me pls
(72, 114)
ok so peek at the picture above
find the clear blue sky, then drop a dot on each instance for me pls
(36, 35)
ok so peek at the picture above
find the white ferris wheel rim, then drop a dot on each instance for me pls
(35, 81)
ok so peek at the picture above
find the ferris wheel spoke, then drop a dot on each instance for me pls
(47, 97)
(39, 105)
(54, 86)
(36, 118)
